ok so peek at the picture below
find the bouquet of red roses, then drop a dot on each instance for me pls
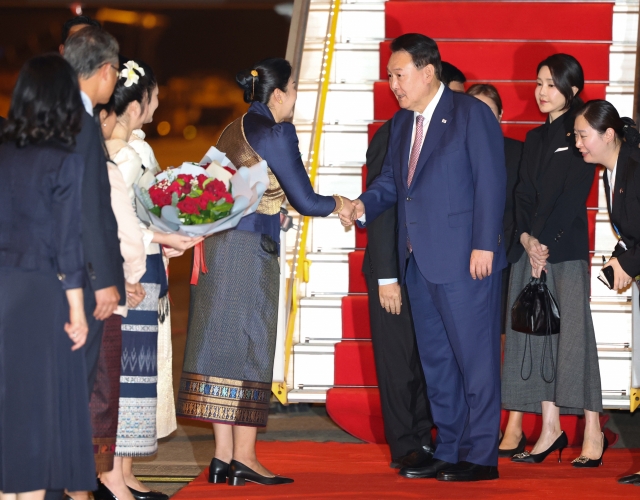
(198, 198)
(201, 199)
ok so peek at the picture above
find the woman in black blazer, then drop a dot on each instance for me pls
(44, 409)
(606, 139)
(560, 373)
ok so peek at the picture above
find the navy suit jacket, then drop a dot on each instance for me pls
(456, 201)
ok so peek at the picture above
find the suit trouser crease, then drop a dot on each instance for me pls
(458, 335)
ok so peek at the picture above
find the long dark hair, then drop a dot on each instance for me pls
(566, 72)
(602, 115)
(45, 104)
(260, 81)
(138, 92)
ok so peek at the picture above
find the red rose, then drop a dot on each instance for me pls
(189, 206)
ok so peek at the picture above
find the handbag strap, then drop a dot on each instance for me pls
(548, 340)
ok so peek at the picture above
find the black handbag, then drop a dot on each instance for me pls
(535, 312)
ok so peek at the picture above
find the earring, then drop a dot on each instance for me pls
(104, 124)
(280, 101)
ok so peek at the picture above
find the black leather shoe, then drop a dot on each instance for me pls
(148, 495)
(514, 451)
(239, 473)
(467, 471)
(103, 493)
(428, 470)
(632, 479)
(218, 471)
(416, 458)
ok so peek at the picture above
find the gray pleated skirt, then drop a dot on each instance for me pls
(576, 386)
(231, 338)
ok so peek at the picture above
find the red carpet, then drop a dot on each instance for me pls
(341, 471)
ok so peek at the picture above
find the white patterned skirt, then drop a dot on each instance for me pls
(139, 369)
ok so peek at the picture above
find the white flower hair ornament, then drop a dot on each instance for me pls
(132, 72)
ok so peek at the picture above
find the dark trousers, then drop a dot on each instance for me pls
(458, 335)
(405, 409)
(94, 339)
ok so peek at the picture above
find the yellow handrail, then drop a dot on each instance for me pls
(302, 264)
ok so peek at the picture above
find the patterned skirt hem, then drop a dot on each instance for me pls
(223, 400)
(104, 450)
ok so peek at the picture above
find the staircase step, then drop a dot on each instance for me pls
(499, 60)
(354, 364)
(517, 98)
(500, 20)
(357, 282)
(357, 411)
(321, 320)
(313, 366)
(355, 317)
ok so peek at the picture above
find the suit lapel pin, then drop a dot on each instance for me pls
(444, 121)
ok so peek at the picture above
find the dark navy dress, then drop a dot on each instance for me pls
(45, 431)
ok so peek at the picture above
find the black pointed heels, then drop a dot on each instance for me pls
(218, 471)
(583, 462)
(240, 473)
(514, 451)
(559, 444)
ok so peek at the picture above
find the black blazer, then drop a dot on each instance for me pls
(625, 213)
(381, 255)
(512, 157)
(103, 261)
(551, 196)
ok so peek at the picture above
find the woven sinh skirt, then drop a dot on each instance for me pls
(106, 395)
(228, 362)
(139, 370)
(577, 377)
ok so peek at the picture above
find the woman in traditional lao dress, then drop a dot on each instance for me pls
(228, 363)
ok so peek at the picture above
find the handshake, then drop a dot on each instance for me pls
(348, 210)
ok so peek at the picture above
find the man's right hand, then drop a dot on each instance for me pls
(390, 297)
(106, 302)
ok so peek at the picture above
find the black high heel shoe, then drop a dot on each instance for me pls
(559, 444)
(239, 473)
(583, 462)
(218, 471)
(103, 493)
(514, 451)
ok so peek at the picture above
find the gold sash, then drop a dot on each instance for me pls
(233, 143)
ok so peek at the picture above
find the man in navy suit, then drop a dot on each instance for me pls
(445, 171)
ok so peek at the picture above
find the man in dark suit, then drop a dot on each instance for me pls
(445, 171)
(405, 409)
(93, 53)
(452, 77)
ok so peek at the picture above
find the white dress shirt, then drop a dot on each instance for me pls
(611, 175)
(88, 105)
(427, 114)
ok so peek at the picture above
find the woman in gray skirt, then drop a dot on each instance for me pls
(558, 374)
(228, 363)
